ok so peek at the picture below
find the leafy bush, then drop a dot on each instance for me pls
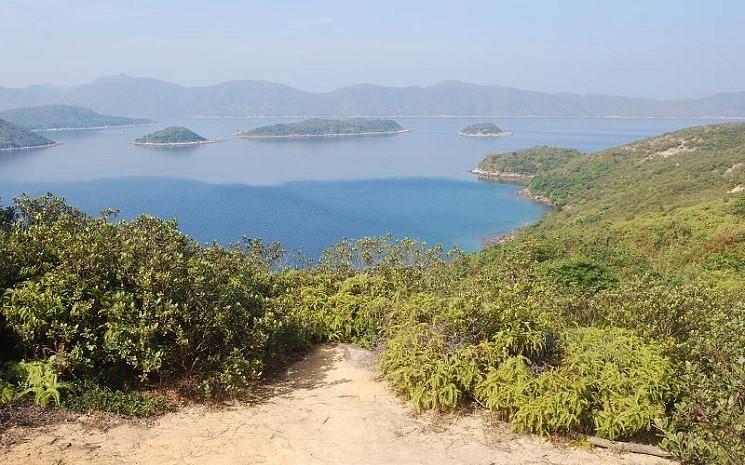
(86, 397)
(37, 378)
(608, 382)
(581, 273)
(132, 302)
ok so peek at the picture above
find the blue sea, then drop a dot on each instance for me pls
(309, 194)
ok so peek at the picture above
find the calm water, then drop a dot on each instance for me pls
(308, 194)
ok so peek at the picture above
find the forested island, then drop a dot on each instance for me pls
(323, 127)
(619, 316)
(13, 137)
(67, 117)
(173, 136)
(483, 130)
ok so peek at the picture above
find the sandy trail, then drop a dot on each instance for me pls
(329, 409)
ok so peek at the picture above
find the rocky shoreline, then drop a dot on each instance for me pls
(500, 134)
(511, 177)
(504, 176)
(177, 144)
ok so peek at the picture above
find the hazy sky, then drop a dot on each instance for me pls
(652, 48)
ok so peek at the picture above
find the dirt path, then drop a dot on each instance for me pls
(329, 410)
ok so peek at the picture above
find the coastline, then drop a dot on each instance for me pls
(177, 144)
(92, 128)
(31, 147)
(502, 176)
(501, 134)
(307, 136)
(513, 178)
(542, 199)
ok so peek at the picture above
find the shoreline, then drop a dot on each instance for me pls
(513, 178)
(32, 147)
(177, 144)
(501, 134)
(306, 136)
(91, 128)
(501, 176)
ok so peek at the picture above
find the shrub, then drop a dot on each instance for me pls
(38, 378)
(86, 397)
(581, 273)
(608, 382)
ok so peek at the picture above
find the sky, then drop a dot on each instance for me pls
(643, 48)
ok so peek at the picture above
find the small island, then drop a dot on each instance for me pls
(322, 127)
(174, 136)
(66, 118)
(13, 137)
(483, 130)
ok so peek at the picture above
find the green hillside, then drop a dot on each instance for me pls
(316, 127)
(66, 117)
(528, 162)
(172, 135)
(620, 314)
(13, 137)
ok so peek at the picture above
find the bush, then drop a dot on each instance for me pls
(38, 378)
(133, 302)
(609, 382)
(581, 273)
(86, 397)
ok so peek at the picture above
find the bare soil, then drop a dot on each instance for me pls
(329, 408)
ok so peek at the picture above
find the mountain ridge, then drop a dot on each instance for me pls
(142, 96)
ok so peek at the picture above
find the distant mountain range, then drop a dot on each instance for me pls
(125, 95)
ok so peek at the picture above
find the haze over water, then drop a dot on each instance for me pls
(308, 194)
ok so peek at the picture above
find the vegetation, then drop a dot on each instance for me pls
(172, 136)
(13, 137)
(528, 162)
(65, 117)
(317, 127)
(620, 314)
(482, 130)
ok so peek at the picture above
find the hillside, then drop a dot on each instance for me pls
(66, 117)
(125, 95)
(13, 137)
(526, 162)
(174, 135)
(319, 127)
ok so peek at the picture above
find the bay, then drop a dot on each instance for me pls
(308, 194)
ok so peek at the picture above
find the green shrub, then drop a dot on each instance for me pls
(86, 397)
(581, 273)
(609, 382)
(37, 378)
(708, 424)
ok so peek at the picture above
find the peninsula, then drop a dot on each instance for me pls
(13, 137)
(174, 136)
(522, 166)
(322, 127)
(67, 117)
(483, 130)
